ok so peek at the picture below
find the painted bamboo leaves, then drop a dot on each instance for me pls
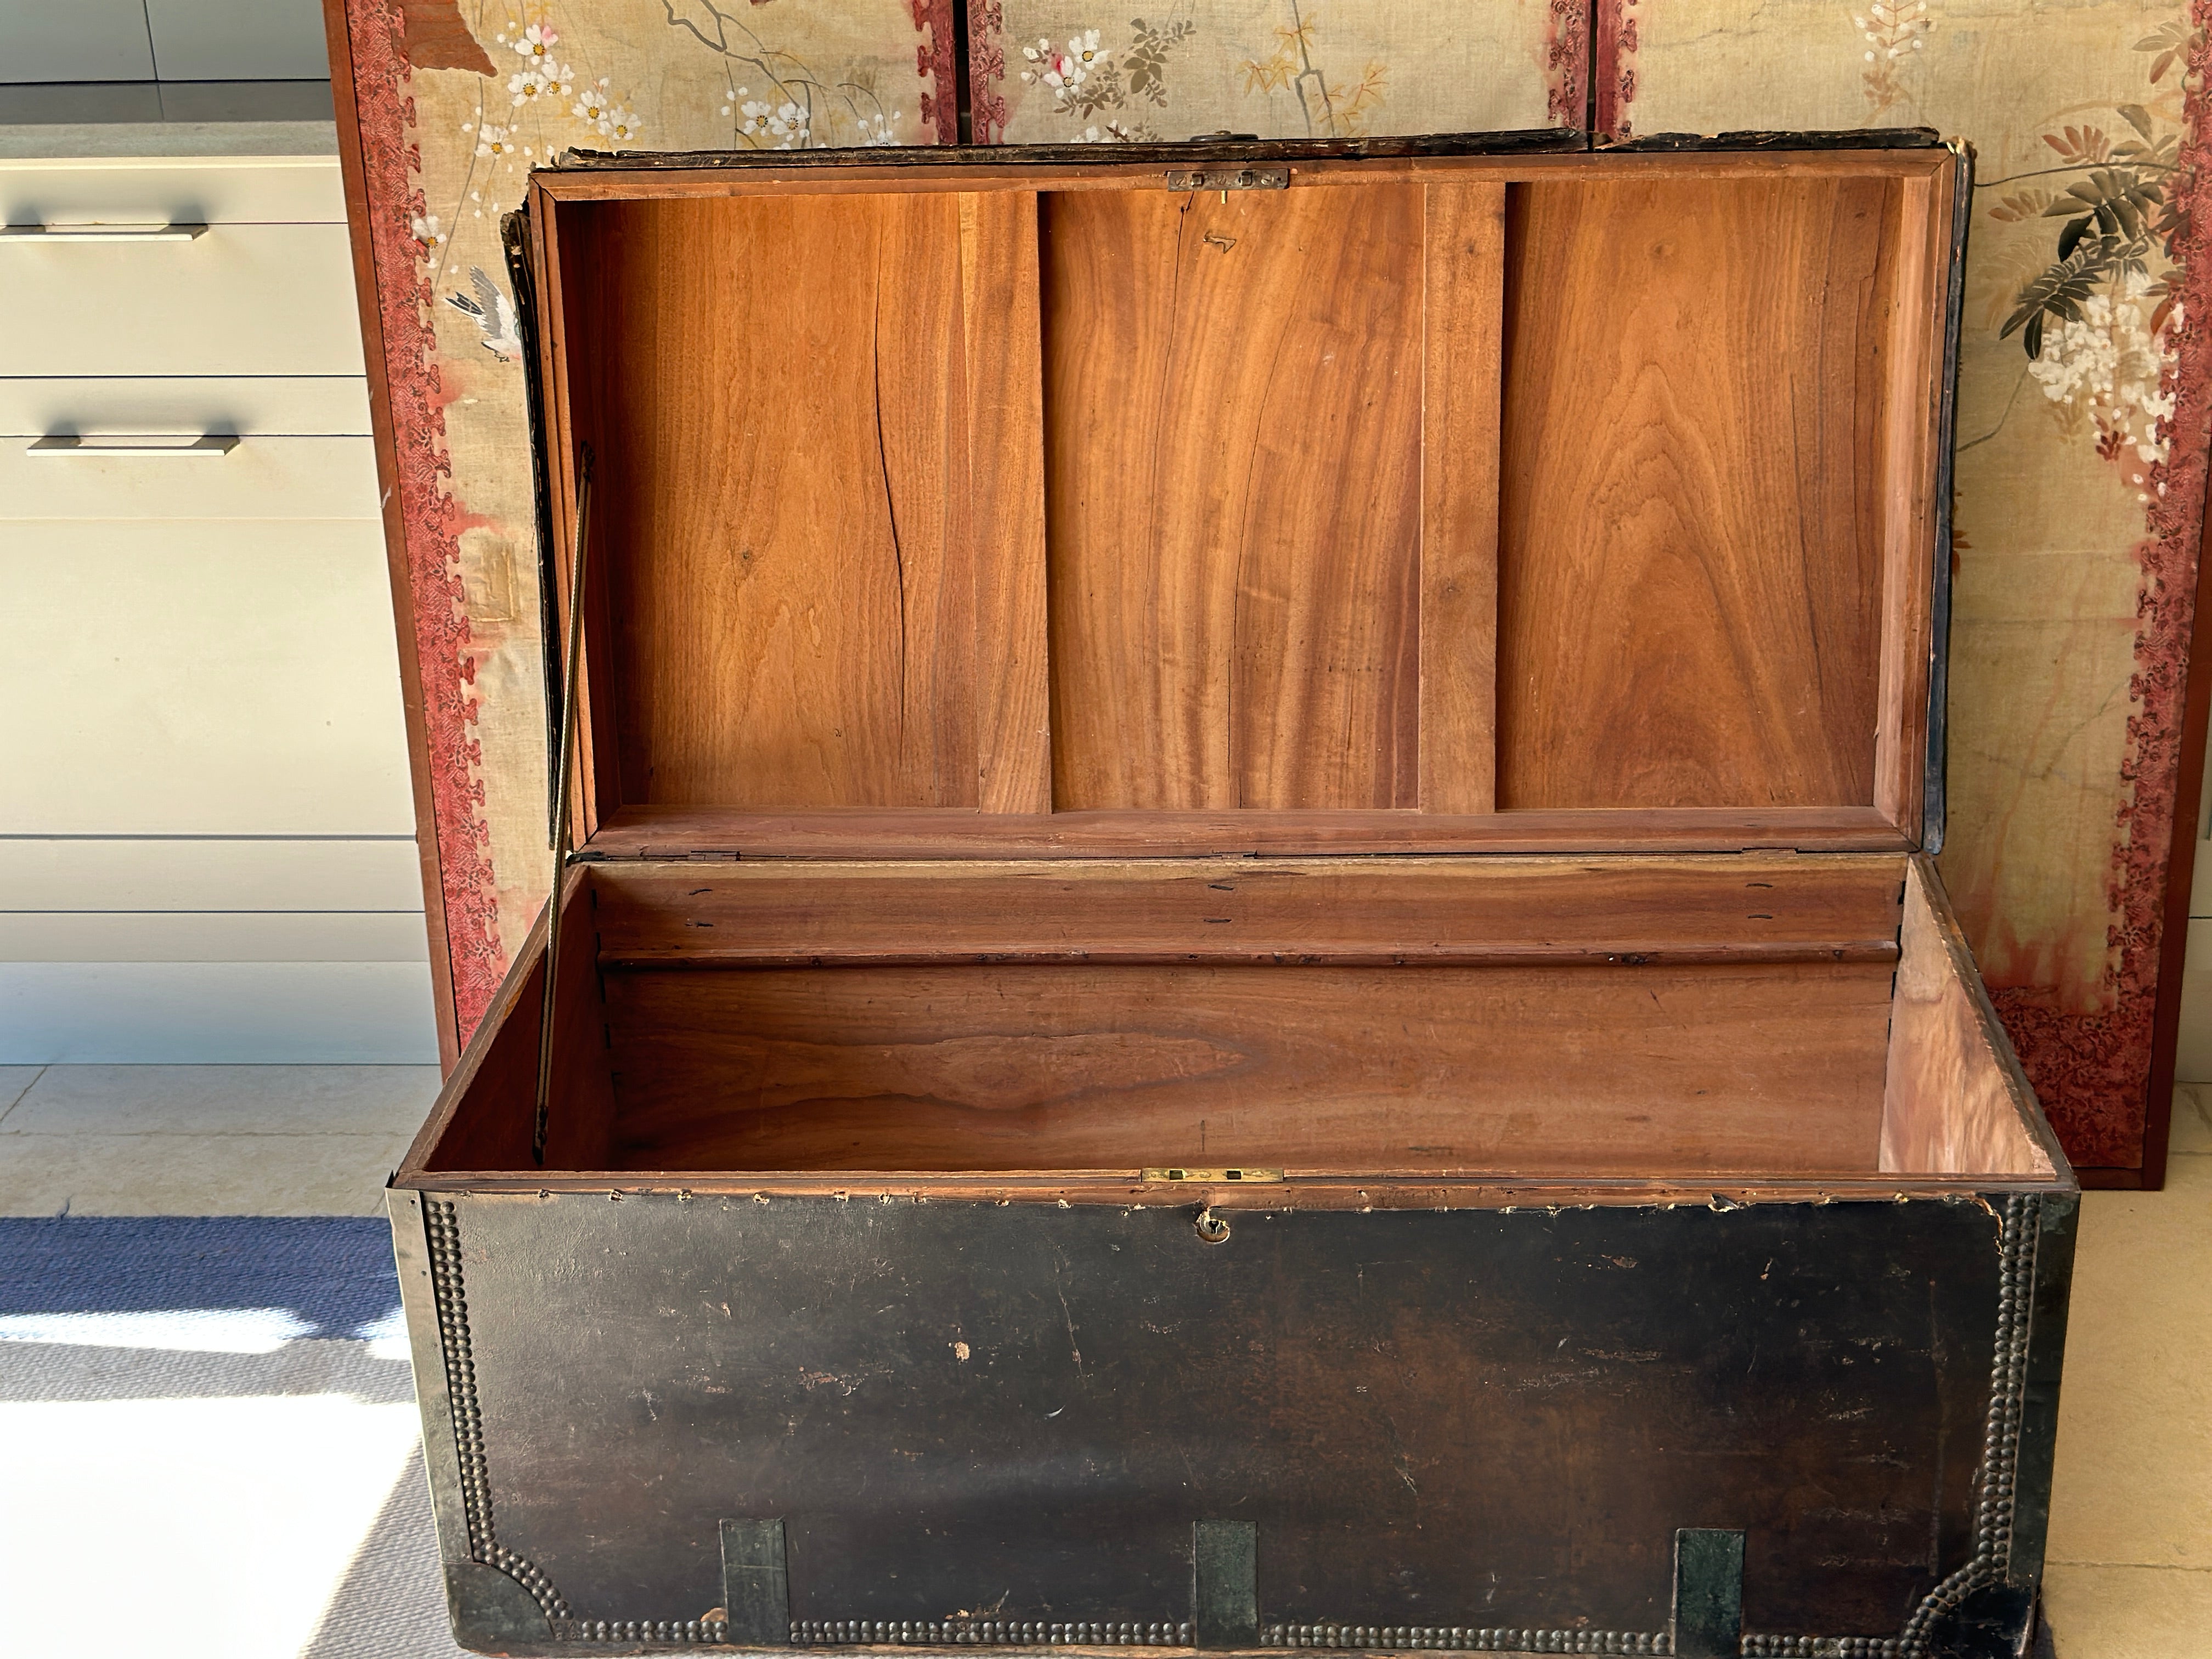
(1339, 110)
(2115, 212)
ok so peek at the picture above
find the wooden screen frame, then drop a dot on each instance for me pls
(1927, 181)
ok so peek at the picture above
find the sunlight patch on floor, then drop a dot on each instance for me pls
(221, 1526)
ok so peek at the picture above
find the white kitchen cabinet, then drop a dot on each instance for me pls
(238, 39)
(219, 678)
(238, 298)
(297, 405)
(131, 190)
(76, 41)
(206, 842)
(175, 477)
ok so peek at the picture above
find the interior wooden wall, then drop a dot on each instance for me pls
(1693, 513)
(1458, 496)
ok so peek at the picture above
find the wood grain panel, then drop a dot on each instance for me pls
(1462, 299)
(1193, 507)
(1302, 910)
(774, 395)
(1922, 287)
(1005, 392)
(1691, 507)
(1233, 396)
(1957, 1102)
(572, 381)
(1593, 1070)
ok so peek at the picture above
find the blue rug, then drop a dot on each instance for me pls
(333, 1273)
(224, 1284)
(138, 1309)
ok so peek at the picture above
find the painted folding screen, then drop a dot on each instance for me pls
(2082, 409)
(1057, 71)
(2081, 468)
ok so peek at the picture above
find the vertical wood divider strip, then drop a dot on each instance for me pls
(590, 805)
(1918, 293)
(1003, 330)
(1463, 342)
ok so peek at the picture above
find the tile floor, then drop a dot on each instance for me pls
(205, 1140)
(2131, 1558)
(2130, 1573)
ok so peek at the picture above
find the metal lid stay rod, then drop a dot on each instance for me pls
(566, 760)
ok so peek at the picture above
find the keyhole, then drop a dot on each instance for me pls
(1212, 1228)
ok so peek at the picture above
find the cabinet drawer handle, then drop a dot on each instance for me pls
(170, 232)
(68, 443)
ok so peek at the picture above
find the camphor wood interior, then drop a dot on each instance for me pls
(1043, 581)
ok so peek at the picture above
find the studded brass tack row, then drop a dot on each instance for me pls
(1996, 1491)
(442, 1229)
(1461, 1639)
(961, 1633)
(671, 1632)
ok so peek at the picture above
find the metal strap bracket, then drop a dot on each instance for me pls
(1224, 1596)
(1177, 1172)
(755, 1584)
(1708, 1620)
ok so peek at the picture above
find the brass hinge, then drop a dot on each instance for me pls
(1183, 1172)
(1228, 179)
(660, 855)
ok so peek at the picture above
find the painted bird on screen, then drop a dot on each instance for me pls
(494, 315)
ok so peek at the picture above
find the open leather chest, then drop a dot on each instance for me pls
(1251, 959)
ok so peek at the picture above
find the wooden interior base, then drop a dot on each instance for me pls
(1403, 1021)
(1419, 1070)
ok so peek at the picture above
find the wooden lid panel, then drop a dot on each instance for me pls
(1466, 500)
(1234, 436)
(1690, 575)
(775, 392)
